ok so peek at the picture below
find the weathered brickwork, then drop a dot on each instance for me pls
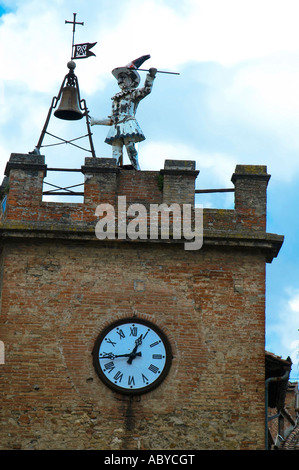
(60, 286)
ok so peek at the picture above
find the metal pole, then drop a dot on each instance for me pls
(88, 128)
(53, 105)
(39, 144)
(158, 71)
(74, 29)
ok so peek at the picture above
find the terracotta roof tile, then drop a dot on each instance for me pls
(292, 441)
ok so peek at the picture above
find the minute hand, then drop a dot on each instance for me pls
(113, 356)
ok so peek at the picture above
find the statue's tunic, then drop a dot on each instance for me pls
(125, 127)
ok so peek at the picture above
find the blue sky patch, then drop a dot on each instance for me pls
(4, 9)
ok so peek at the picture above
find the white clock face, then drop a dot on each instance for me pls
(132, 356)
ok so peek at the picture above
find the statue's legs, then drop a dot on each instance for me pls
(117, 152)
(133, 155)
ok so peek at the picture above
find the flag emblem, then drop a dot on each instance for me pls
(82, 51)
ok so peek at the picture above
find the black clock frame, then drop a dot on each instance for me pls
(117, 388)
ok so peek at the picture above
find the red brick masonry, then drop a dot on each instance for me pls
(61, 286)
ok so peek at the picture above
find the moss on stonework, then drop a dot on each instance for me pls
(160, 182)
(251, 169)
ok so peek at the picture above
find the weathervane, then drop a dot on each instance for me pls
(71, 106)
(79, 51)
(125, 130)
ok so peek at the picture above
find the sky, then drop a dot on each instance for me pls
(235, 101)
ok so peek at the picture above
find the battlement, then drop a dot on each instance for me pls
(105, 182)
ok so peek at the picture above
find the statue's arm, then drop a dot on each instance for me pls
(104, 122)
(148, 84)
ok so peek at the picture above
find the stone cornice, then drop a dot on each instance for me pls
(269, 243)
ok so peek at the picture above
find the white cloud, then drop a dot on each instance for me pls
(174, 33)
(31, 55)
(226, 32)
(294, 302)
(215, 169)
(257, 102)
(266, 90)
(259, 95)
(221, 165)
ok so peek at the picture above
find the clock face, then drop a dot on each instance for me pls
(132, 356)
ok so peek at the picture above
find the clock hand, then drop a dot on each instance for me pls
(133, 354)
(113, 356)
(138, 341)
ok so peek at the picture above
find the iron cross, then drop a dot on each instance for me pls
(74, 22)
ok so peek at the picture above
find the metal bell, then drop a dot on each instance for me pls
(69, 108)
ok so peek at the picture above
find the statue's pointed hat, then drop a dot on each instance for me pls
(131, 69)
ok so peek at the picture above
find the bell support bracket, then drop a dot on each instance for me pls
(72, 107)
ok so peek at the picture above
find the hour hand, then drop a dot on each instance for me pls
(138, 341)
(133, 354)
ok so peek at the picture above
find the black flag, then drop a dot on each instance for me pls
(82, 51)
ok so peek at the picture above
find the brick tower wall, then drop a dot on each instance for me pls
(60, 286)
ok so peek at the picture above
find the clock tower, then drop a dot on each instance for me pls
(121, 342)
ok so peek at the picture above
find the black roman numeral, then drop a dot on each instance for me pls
(153, 368)
(145, 334)
(109, 366)
(121, 333)
(131, 380)
(154, 344)
(133, 330)
(118, 376)
(157, 356)
(145, 379)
